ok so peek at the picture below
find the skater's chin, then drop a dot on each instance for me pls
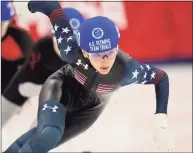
(104, 70)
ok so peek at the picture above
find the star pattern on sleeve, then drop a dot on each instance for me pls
(143, 74)
(56, 27)
(66, 30)
(135, 74)
(68, 49)
(61, 40)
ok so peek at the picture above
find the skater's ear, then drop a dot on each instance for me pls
(85, 53)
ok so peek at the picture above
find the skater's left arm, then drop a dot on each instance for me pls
(66, 40)
(137, 73)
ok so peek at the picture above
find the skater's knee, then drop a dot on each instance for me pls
(46, 138)
(51, 133)
(50, 128)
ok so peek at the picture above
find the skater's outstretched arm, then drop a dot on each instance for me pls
(137, 73)
(67, 43)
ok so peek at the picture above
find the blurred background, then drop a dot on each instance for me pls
(159, 33)
(150, 31)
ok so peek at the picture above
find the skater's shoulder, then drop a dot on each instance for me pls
(61, 72)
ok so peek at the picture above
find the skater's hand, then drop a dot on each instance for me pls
(45, 7)
(162, 136)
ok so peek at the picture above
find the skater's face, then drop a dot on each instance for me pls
(4, 27)
(102, 62)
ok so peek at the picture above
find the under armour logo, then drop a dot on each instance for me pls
(50, 107)
(80, 63)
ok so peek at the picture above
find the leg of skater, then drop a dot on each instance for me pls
(16, 146)
(51, 119)
(51, 123)
(77, 123)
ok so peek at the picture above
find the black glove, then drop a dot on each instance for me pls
(45, 7)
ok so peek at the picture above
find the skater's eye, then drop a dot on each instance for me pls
(111, 52)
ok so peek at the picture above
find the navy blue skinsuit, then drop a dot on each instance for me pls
(73, 97)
